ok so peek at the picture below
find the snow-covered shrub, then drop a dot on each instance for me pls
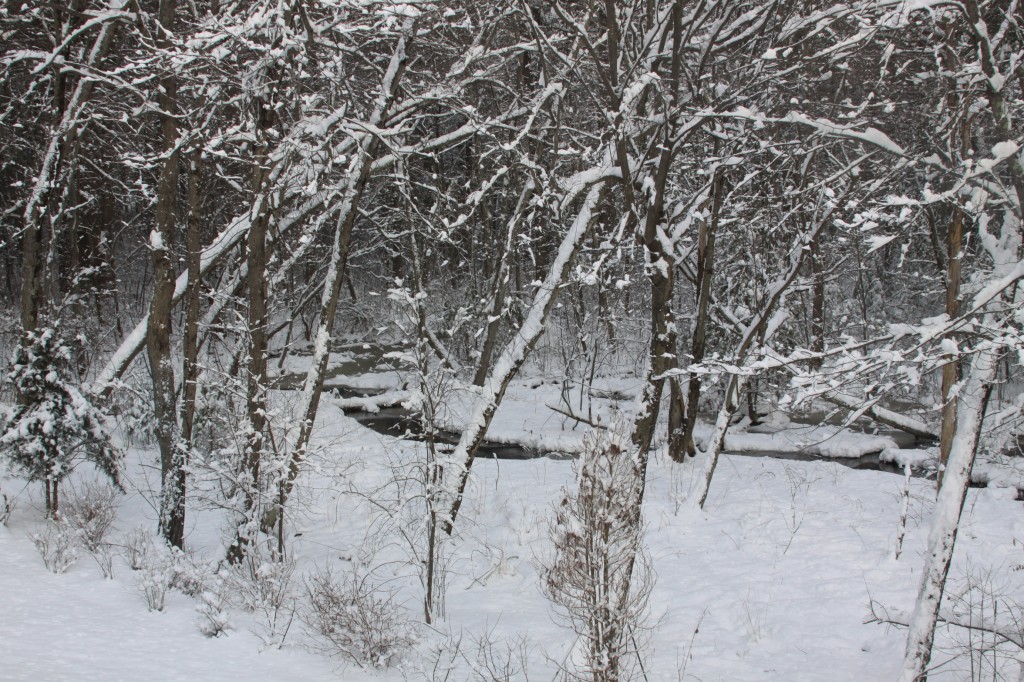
(156, 575)
(500, 660)
(482, 659)
(214, 619)
(162, 567)
(104, 556)
(137, 546)
(356, 619)
(263, 584)
(273, 599)
(92, 508)
(53, 425)
(599, 576)
(190, 575)
(56, 545)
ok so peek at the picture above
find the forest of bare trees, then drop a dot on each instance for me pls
(752, 202)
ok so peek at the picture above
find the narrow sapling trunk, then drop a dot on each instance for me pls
(705, 272)
(256, 385)
(950, 369)
(519, 346)
(500, 288)
(190, 342)
(757, 329)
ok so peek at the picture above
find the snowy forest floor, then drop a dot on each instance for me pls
(774, 580)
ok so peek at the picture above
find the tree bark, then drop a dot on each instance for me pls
(190, 342)
(158, 337)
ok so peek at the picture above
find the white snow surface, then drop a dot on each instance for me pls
(778, 571)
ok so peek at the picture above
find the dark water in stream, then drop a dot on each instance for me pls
(399, 423)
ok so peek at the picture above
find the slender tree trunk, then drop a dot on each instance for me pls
(256, 384)
(500, 287)
(971, 405)
(757, 329)
(432, 594)
(705, 271)
(950, 369)
(190, 342)
(158, 338)
(959, 142)
(817, 305)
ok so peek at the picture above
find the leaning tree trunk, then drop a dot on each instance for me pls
(971, 405)
(358, 178)
(519, 346)
(756, 329)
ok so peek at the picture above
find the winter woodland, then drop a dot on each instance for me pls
(527, 339)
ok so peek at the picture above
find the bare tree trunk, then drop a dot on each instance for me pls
(705, 271)
(661, 354)
(817, 305)
(258, 294)
(960, 142)
(971, 405)
(950, 369)
(158, 337)
(676, 418)
(755, 330)
(190, 342)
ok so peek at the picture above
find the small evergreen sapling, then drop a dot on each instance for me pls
(53, 425)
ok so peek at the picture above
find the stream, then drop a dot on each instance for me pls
(400, 423)
(362, 359)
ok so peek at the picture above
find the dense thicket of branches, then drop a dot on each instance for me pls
(790, 199)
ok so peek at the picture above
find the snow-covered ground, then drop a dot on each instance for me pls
(774, 580)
